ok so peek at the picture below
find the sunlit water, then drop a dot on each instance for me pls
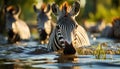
(31, 55)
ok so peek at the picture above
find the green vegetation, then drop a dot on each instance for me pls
(91, 11)
(100, 52)
(104, 13)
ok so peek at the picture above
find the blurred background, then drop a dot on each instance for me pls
(91, 11)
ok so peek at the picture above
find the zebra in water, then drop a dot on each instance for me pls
(116, 27)
(16, 28)
(113, 30)
(68, 34)
(44, 22)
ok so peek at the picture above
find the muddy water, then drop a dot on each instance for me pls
(31, 55)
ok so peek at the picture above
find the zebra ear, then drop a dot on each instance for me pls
(55, 9)
(75, 9)
(18, 10)
(35, 9)
(48, 8)
(11, 9)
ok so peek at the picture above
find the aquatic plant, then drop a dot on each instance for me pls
(99, 52)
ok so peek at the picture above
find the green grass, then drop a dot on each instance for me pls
(99, 51)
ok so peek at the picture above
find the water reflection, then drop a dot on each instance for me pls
(7, 66)
(67, 59)
(55, 61)
(14, 66)
(64, 59)
(60, 62)
(73, 67)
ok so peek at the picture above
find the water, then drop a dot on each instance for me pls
(31, 55)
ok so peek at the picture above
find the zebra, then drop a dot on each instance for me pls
(113, 29)
(116, 27)
(44, 22)
(16, 28)
(68, 34)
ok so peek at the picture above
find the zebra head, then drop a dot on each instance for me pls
(66, 18)
(43, 15)
(44, 21)
(11, 15)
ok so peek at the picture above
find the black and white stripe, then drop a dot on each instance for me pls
(71, 34)
(67, 35)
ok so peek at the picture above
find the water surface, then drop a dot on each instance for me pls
(32, 55)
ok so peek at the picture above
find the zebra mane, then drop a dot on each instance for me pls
(43, 6)
(65, 6)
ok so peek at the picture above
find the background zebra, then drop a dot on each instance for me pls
(67, 35)
(44, 22)
(16, 28)
(112, 31)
